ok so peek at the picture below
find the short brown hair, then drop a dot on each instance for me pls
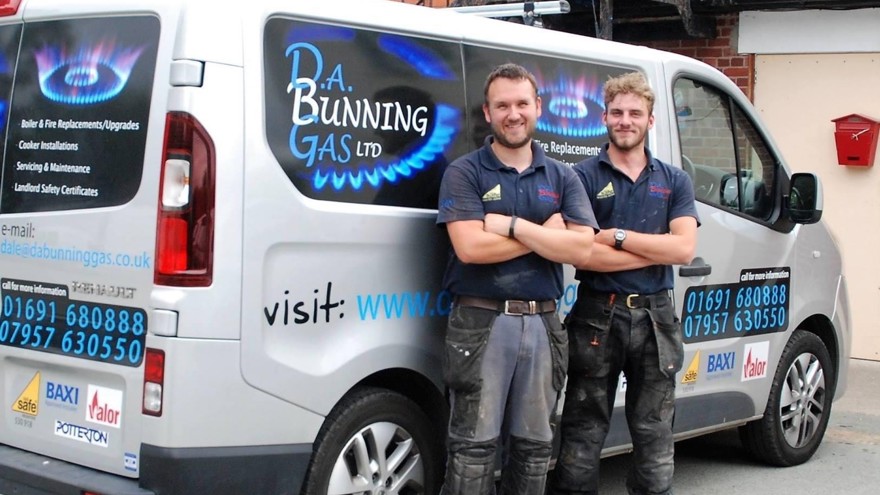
(509, 71)
(629, 83)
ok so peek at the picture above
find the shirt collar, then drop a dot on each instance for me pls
(605, 159)
(493, 163)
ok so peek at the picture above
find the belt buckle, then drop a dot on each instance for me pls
(629, 301)
(533, 306)
(507, 309)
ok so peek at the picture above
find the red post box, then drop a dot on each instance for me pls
(856, 139)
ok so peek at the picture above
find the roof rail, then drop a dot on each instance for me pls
(530, 11)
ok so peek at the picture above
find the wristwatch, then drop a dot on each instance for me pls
(619, 237)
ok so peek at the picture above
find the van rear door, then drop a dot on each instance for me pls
(77, 228)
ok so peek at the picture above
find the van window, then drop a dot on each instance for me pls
(9, 37)
(77, 121)
(726, 157)
(570, 128)
(362, 116)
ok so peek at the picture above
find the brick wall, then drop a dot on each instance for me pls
(719, 52)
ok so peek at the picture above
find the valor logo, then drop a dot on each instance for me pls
(28, 402)
(692, 373)
(755, 363)
(105, 406)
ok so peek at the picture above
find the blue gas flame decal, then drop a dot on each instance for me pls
(572, 106)
(421, 59)
(445, 129)
(91, 74)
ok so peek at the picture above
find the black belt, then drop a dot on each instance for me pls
(508, 307)
(631, 301)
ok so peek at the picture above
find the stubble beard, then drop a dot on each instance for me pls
(623, 144)
(501, 139)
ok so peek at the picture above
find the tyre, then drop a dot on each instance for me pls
(375, 441)
(797, 411)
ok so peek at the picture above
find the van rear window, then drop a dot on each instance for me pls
(77, 120)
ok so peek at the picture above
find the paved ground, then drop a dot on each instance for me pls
(847, 462)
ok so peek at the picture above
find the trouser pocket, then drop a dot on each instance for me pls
(667, 332)
(558, 338)
(467, 336)
(589, 331)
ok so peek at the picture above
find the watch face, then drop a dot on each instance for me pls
(620, 235)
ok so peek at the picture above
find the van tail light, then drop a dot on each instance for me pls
(9, 7)
(154, 382)
(185, 226)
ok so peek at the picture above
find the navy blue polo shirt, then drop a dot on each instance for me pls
(661, 194)
(477, 184)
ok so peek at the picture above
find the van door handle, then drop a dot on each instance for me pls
(697, 268)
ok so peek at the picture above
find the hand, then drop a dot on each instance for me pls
(555, 222)
(496, 224)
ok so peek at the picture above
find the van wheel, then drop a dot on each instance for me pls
(375, 441)
(797, 412)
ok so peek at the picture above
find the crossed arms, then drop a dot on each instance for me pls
(486, 241)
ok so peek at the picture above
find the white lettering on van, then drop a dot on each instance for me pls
(310, 108)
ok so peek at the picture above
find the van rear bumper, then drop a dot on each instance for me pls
(275, 469)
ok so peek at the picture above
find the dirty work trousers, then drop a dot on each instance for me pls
(504, 374)
(643, 340)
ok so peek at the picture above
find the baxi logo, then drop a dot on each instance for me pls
(401, 136)
(61, 395)
(104, 406)
(85, 76)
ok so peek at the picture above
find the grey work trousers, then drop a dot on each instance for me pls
(504, 374)
(606, 337)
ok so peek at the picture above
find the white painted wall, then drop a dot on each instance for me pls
(799, 89)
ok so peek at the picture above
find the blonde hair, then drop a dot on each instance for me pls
(630, 83)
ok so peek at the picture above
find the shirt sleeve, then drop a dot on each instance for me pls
(576, 207)
(683, 200)
(459, 194)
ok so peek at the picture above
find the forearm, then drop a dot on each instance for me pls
(607, 259)
(572, 245)
(659, 249)
(473, 245)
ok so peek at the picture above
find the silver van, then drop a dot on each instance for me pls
(219, 267)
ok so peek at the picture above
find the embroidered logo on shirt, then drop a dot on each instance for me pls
(546, 194)
(607, 192)
(658, 190)
(493, 194)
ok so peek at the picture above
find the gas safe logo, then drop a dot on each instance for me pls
(325, 112)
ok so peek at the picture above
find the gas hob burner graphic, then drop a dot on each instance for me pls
(572, 107)
(91, 75)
